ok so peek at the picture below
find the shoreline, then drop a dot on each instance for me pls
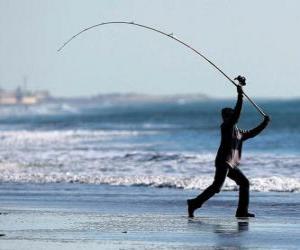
(86, 216)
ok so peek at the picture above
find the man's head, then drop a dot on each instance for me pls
(227, 113)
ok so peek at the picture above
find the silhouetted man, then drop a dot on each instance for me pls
(228, 158)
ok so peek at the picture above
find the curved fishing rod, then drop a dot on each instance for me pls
(169, 36)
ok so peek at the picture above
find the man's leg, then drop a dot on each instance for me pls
(215, 187)
(241, 180)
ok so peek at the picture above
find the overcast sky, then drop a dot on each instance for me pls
(259, 39)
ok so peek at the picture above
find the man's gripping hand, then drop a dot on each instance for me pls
(267, 118)
(239, 89)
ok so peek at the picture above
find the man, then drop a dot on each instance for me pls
(228, 159)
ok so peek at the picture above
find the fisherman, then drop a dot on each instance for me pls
(228, 159)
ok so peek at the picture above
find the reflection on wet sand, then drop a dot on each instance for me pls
(227, 233)
(220, 226)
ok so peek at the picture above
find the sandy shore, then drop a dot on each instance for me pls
(77, 216)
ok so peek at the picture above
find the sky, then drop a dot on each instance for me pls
(257, 39)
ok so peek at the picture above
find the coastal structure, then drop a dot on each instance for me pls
(20, 96)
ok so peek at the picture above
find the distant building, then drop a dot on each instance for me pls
(22, 97)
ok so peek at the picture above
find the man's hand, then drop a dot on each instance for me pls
(241, 80)
(267, 118)
(239, 89)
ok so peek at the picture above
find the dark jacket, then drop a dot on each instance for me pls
(232, 138)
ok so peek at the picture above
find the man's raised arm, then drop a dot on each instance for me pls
(238, 107)
(255, 131)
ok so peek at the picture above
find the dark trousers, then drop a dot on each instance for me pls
(223, 170)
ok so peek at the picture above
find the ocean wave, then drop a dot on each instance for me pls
(25, 135)
(39, 109)
(261, 184)
(105, 152)
(132, 157)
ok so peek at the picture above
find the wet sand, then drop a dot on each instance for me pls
(80, 216)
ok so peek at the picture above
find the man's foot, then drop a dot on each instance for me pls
(191, 208)
(244, 215)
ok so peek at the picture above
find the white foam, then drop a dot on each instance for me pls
(268, 184)
(108, 157)
(39, 109)
(26, 136)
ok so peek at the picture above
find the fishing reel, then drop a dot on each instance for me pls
(241, 80)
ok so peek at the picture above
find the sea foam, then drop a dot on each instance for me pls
(260, 184)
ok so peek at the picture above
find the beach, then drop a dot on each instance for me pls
(80, 216)
(115, 114)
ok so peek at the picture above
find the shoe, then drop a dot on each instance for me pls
(244, 215)
(191, 208)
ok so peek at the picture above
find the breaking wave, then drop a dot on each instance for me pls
(262, 184)
(118, 157)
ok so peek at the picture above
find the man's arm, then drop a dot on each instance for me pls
(238, 107)
(246, 134)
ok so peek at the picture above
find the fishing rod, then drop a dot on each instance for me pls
(241, 81)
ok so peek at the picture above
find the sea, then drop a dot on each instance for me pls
(164, 144)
